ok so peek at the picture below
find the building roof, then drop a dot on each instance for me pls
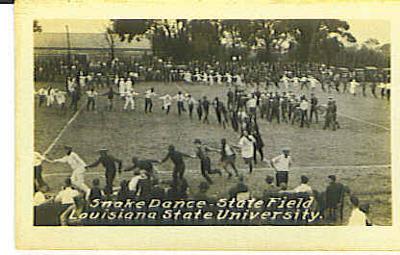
(85, 40)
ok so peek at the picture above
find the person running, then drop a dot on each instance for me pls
(177, 159)
(228, 157)
(205, 161)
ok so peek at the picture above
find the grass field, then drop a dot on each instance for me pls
(358, 153)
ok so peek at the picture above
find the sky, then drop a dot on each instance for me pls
(361, 29)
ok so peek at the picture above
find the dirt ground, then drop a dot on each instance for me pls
(358, 153)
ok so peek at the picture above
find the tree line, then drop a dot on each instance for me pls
(325, 41)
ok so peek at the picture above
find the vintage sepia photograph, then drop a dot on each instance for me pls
(212, 122)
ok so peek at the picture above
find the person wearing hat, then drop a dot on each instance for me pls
(78, 168)
(109, 163)
(177, 159)
(282, 164)
(205, 161)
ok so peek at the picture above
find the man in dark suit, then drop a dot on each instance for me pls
(109, 163)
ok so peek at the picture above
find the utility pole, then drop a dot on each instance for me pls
(68, 47)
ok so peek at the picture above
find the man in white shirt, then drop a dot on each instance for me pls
(191, 102)
(187, 77)
(39, 198)
(129, 99)
(133, 183)
(218, 78)
(67, 195)
(50, 96)
(304, 105)
(282, 164)
(353, 87)
(78, 168)
(148, 103)
(303, 82)
(252, 105)
(228, 78)
(91, 100)
(42, 96)
(357, 217)
(82, 80)
(61, 98)
(180, 98)
(285, 82)
(238, 80)
(246, 145)
(303, 187)
(121, 87)
(167, 100)
(128, 84)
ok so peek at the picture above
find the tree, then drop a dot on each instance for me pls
(305, 40)
(109, 35)
(311, 34)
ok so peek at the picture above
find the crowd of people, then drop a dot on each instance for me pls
(64, 207)
(254, 93)
(264, 74)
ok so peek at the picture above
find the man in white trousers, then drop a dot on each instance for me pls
(78, 168)
(130, 99)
